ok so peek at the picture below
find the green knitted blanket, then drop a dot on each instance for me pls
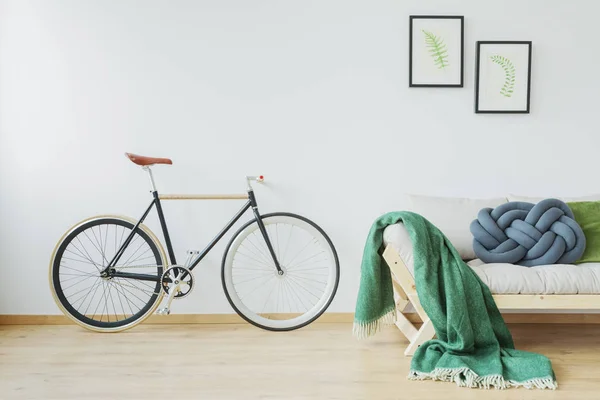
(473, 347)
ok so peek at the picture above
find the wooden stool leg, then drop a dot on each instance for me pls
(405, 293)
(405, 326)
(425, 333)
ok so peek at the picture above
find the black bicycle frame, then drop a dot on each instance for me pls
(251, 203)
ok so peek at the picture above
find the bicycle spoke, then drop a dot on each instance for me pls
(311, 269)
(139, 257)
(125, 289)
(149, 286)
(105, 303)
(252, 279)
(304, 288)
(129, 245)
(99, 239)
(139, 265)
(304, 279)
(249, 264)
(128, 287)
(105, 241)
(93, 244)
(243, 275)
(77, 270)
(95, 291)
(277, 236)
(100, 302)
(122, 237)
(251, 255)
(287, 245)
(306, 260)
(258, 253)
(285, 297)
(133, 281)
(259, 267)
(73, 277)
(292, 298)
(295, 293)
(132, 286)
(136, 250)
(266, 256)
(87, 253)
(112, 301)
(74, 293)
(250, 269)
(72, 259)
(255, 288)
(300, 252)
(76, 283)
(269, 296)
(119, 298)
(81, 256)
(124, 295)
(84, 297)
(278, 296)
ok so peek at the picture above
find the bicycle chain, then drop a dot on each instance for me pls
(135, 287)
(137, 266)
(142, 266)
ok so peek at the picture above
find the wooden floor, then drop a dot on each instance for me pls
(322, 361)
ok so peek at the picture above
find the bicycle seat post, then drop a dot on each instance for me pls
(152, 184)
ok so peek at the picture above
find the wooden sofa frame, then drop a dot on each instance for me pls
(405, 293)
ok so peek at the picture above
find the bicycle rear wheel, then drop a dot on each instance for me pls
(267, 299)
(106, 304)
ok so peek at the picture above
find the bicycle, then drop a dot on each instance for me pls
(279, 272)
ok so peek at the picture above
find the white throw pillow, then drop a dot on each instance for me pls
(453, 216)
(591, 197)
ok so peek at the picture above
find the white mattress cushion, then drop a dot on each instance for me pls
(453, 216)
(542, 279)
(510, 278)
(591, 197)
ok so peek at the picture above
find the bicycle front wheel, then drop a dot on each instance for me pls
(273, 301)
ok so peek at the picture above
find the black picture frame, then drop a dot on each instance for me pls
(410, 52)
(478, 45)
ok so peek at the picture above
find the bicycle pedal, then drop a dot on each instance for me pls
(163, 311)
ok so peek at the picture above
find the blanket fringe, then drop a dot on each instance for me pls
(464, 377)
(363, 330)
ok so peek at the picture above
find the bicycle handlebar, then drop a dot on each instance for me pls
(259, 179)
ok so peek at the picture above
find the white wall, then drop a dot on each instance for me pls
(313, 94)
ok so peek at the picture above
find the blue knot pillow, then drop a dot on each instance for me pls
(526, 234)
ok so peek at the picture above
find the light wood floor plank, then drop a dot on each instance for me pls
(512, 318)
(239, 361)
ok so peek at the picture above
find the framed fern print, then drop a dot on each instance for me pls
(436, 44)
(503, 77)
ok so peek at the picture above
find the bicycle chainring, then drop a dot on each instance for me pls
(178, 278)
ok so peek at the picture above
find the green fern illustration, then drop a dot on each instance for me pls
(509, 75)
(437, 49)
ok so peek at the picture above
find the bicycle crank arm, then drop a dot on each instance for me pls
(166, 310)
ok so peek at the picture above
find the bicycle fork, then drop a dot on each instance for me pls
(263, 231)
